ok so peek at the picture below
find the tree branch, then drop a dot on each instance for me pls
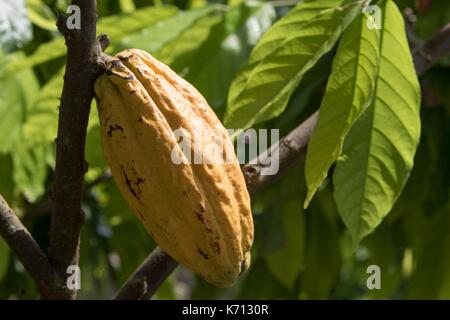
(291, 149)
(82, 68)
(25, 247)
(148, 277)
(437, 47)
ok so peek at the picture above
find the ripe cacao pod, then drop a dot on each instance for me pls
(198, 213)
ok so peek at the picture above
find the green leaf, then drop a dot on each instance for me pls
(41, 15)
(115, 27)
(156, 36)
(127, 5)
(94, 151)
(285, 53)
(322, 256)
(30, 170)
(16, 98)
(350, 90)
(180, 52)
(42, 120)
(379, 150)
(287, 262)
(227, 47)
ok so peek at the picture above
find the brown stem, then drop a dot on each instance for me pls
(82, 68)
(25, 248)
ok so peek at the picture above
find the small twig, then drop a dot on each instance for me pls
(25, 248)
(437, 47)
(148, 277)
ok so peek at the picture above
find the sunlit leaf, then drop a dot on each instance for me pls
(379, 150)
(350, 90)
(285, 53)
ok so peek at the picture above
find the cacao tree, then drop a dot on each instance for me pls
(357, 89)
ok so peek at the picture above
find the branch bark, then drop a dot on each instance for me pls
(25, 248)
(291, 149)
(82, 68)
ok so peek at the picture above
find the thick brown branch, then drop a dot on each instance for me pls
(25, 247)
(82, 68)
(292, 148)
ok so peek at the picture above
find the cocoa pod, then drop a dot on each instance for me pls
(198, 213)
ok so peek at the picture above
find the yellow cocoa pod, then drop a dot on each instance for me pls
(198, 213)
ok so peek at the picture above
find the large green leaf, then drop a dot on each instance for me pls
(180, 52)
(156, 36)
(115, 27)
(379, 150)
(284, 54)
(227, 47)
(350, 90)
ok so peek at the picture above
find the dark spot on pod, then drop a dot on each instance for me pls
(114, 128)
(128, 183)
(127, 57)
(200, 217)
(208, 230)
(108, 118)
(133, 91)
(202, 207)
(204, 255)
(115, 63)
(216, 247)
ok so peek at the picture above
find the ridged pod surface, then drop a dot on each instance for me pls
(198, 213)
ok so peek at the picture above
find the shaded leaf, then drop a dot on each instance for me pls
(227, 47)
(322, 255)
(253, 288)
(431, 277)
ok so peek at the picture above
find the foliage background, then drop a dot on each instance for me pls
(298, 253)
